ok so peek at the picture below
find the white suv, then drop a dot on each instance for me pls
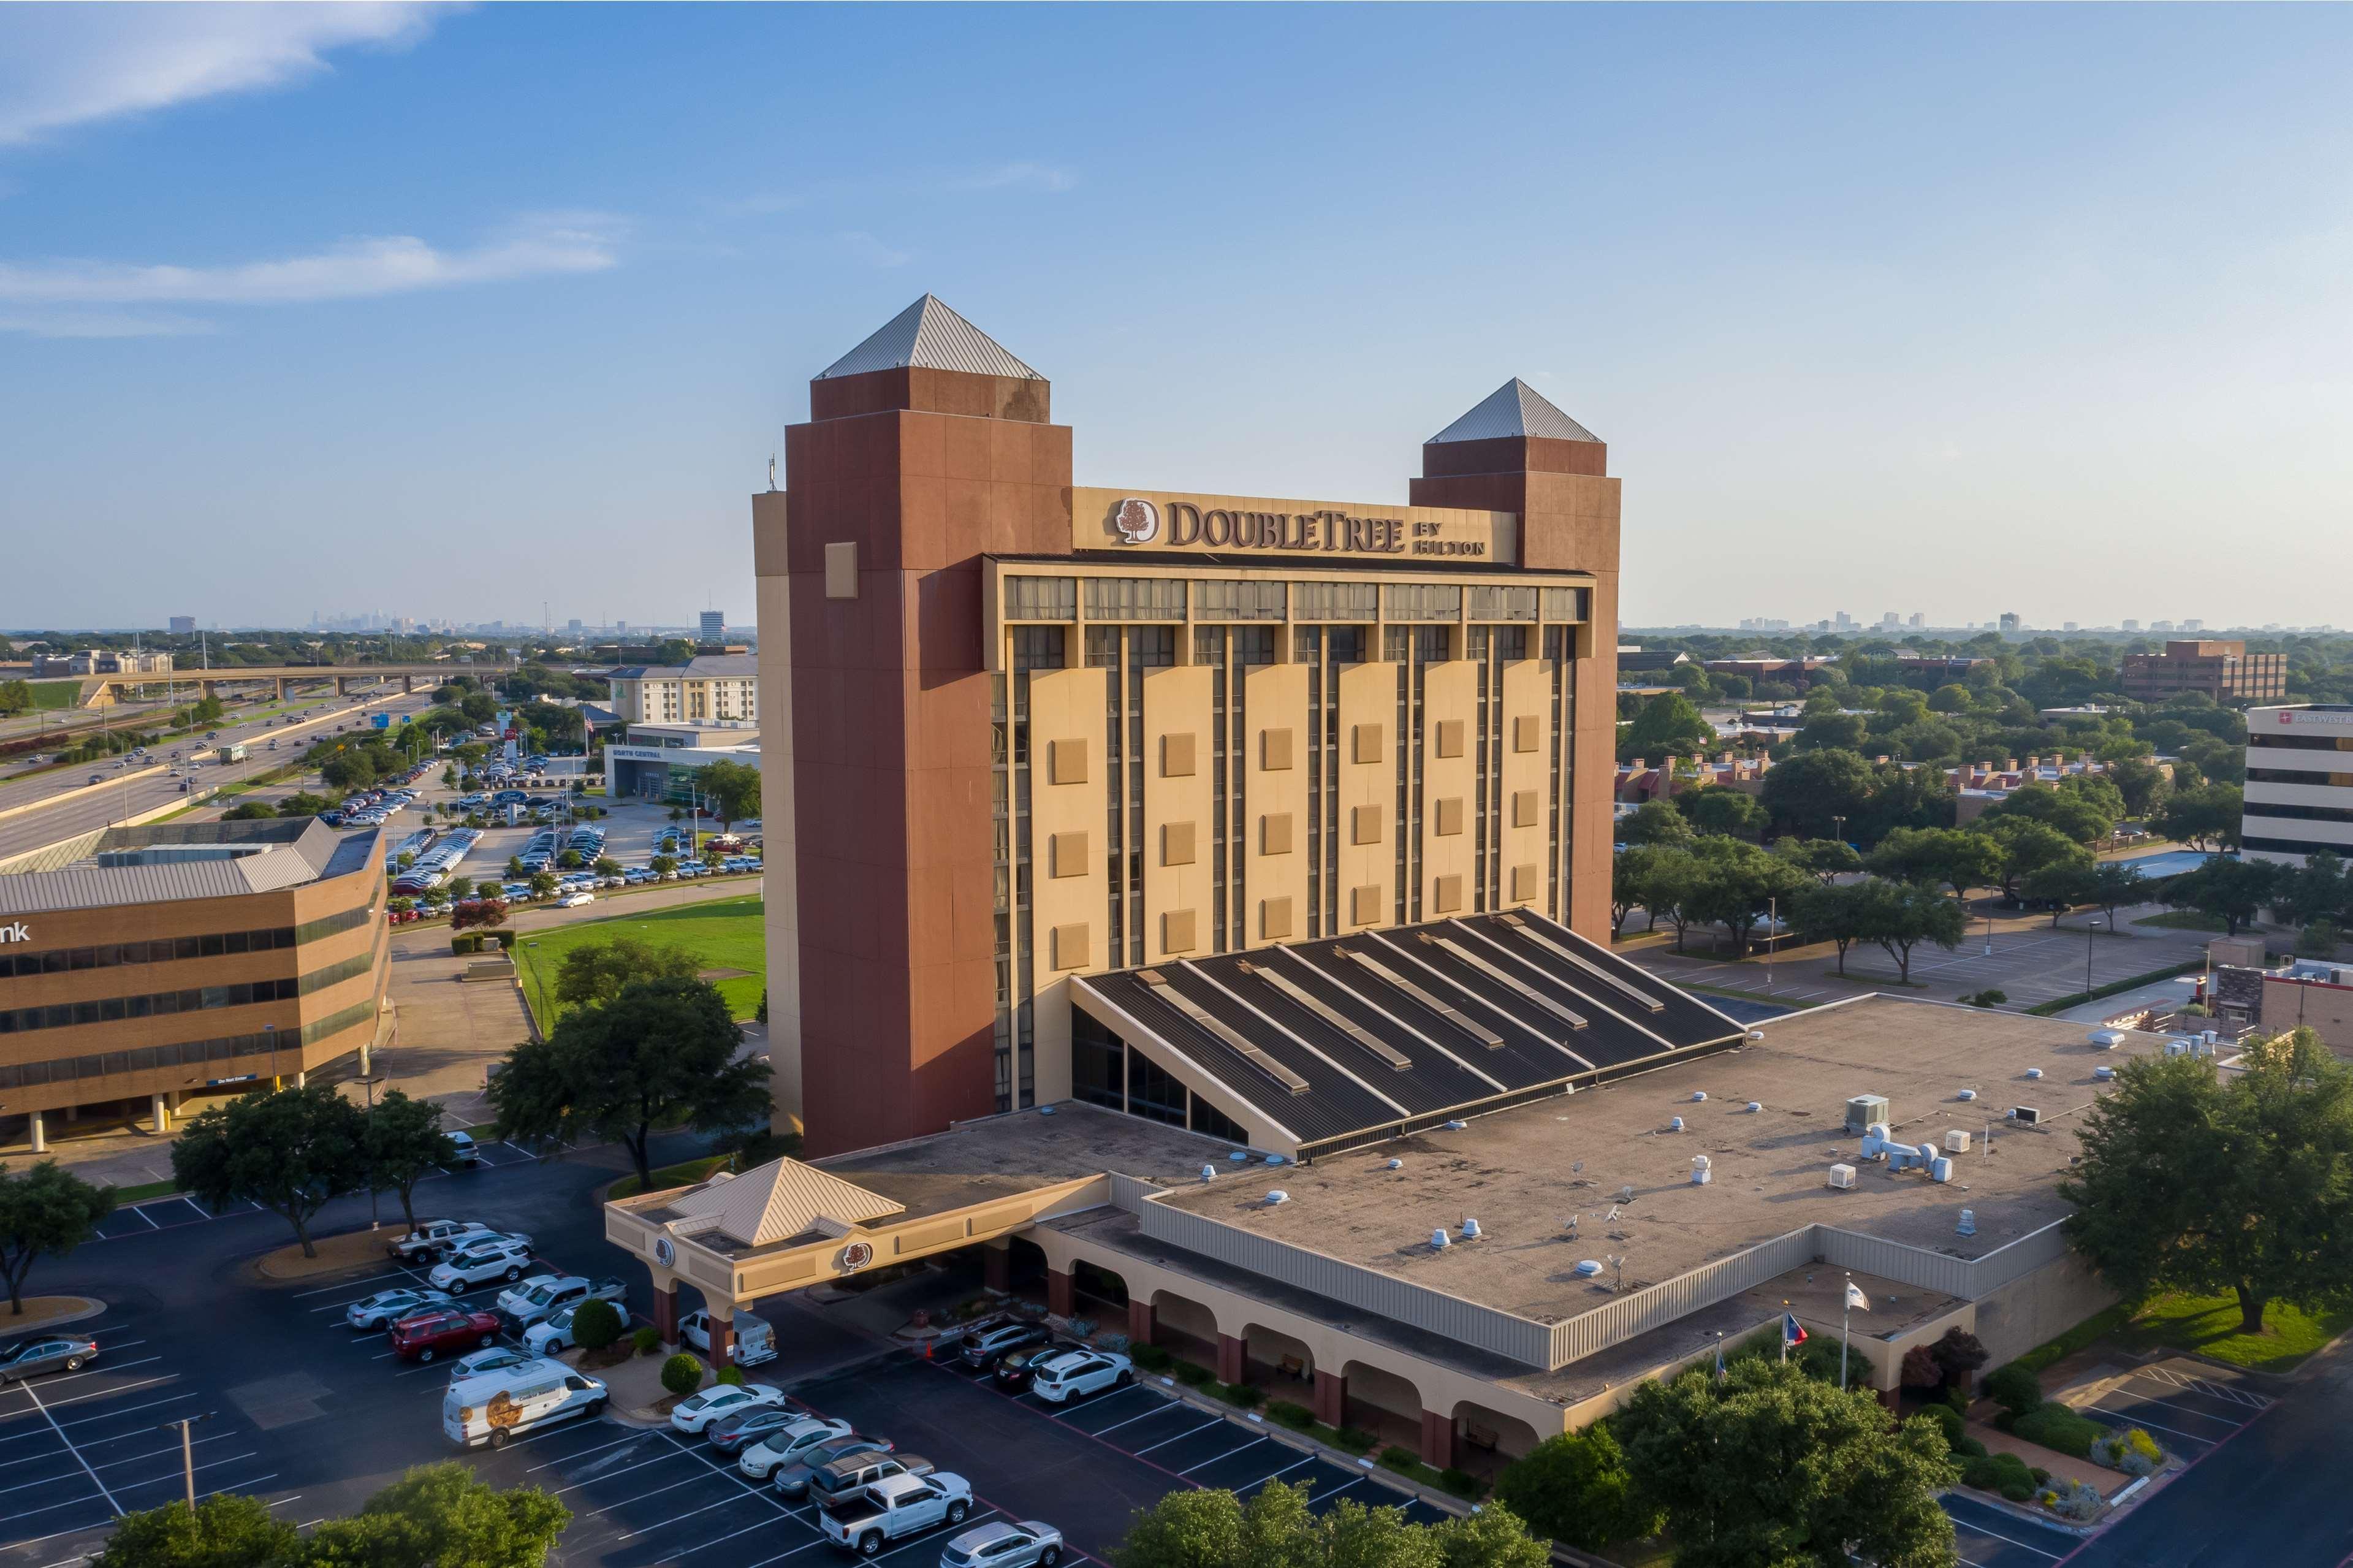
(1074, 1372)
(501, 1259)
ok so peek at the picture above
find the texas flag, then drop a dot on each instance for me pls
(1791, 1332)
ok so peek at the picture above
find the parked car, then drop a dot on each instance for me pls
(45, 1354)
(785, 1445)
(844, 1481)
(386, 1308)
(734, 1433)
(756, 1341)
(497, 1358)
(898, 1507)
(699, 1410)
(422, 1338)
(538, 1299)
(467, 1155)
(981, 1347)
(552, 1336)
(1015, 1367)
(1076, 1373)
(480, 1265)
(999, 1544)
(793, 1478)
(574, 900)
(503, 1405)
(429, 1242)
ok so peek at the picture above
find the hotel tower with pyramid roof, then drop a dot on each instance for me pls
(1166, 801)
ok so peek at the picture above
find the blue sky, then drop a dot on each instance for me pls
(456, 311)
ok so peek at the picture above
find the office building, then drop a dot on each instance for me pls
(139, 965)
(183, 626)
(659, 761)
(2223, 670)
(103, 662)
(710, 687)
(714, 626)
(2299, 788)
(1041, 734)
(2010, 621)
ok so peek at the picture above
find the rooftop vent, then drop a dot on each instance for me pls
(2103, 1073)
(1469, 1230)
(1967, 1094)
(1438, 1240)
(2034, 1072)
(1208, 1173)
(2106, 1039)
(1455, 1125)
(1215, 1029)
(1863, 1109)
(1702, 1171)
(1396, 1059)
(1521, 928)
(1394, 1165)
(1842, 1177)
(1239, 1157)
(716, 1177)
(1968, 1226)
(1586, 1268)
(1277, 1196)
(1674, 1124)
(1567, 1015)
(1396, 982)
(1274, 1160)
(1698, 1095)
(1756, 1105)
(1940, 1169)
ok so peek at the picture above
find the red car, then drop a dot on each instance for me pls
(423, 1337)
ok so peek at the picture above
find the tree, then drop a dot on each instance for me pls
(595, 1324)
(441, 1514)
(1811, 791)
(599, 972)
(2027, 847)
(405, 1144)
(662, 864)
(1276, 1529)
(2203, 817)
(2190, 1183)
(1716, 809)
(46, 1213)
(2231, 891)
(487, 913)
(608, 866)
(15, 697)
(2140, 783)
(1627, 868)
(1939, 857)
(661, 1050)
(543, 883)
(1900, 915)
(1771, 1468)
(2114, 886)
(1655, 822)
(730, 790)
(2062, 885)
(302, 804)
(1737, 884)
(1667, 725)
(227, 1529)
(1959, 1353)
(1668, 882)
(1825, 858)
(248, 810)
(293, 1152)
(1833, 731)
(1837, 913)
(1576, 1489)
(2070, 812)
(2314, 891)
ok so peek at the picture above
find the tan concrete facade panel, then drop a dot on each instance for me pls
(1449, 700)
(1367, 703)
(1275, 697)
(1175, 713)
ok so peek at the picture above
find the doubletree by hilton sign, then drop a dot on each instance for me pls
(1147, 520)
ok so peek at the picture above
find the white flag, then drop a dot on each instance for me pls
(1855, 1297)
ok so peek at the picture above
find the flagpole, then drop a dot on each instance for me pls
(1846, 1321)
(1785, 1333)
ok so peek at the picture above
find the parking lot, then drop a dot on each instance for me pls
(170, 1213)
(2188, 1406)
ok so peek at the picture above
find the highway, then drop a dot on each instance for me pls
(129, 792)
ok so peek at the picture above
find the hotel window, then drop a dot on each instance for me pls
(1422, 602)
(1560, 649)
(1564, 603)
(1512, 603)
(1334, 601)
(1238, 600)
(1041, 599)
(1324, 650)
(1136, 598)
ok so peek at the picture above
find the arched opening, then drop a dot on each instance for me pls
(1185, 1327)
(1099, 1292)
(1486, 1440)
(1024, 1268)
(1382, 1403)
(1279, 1362)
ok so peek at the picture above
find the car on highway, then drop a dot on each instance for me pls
(1065, 1377)
(480, 1265)
(1001, 1544)
(386, 1308)
(787, 1444)
(699, 1410)
(897, 1507)
(45, 1354)
(423, 1337)
(98, 778)
(734, 1433)
(792, 1476)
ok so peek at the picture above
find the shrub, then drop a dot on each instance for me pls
(595, 1324)
(1404, 1461)
(681, 1375)
(1241, 1393)
(1152, 1358)
(465, 942)
(2134, 1452)
(2018, 1491)
(2015, 1389)
(1980, 1473)
(2056, 1427)
(1298, 1418)
(1354, 1439)
(2079, 1501)
(732, 1376)
(1950, 1419)
(1193, 1375)
(1998, 1473)
(1970, 1448)
(1577, 1488)
(1463, 1484)
(2039, 1475)
(647, 1339)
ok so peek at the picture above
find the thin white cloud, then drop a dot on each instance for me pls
(357, 269)
(866, 248)
(103, 324)
(63, 66)
(1022, 177)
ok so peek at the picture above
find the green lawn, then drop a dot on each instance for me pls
(2184, 920)
(668, 1176)
(54, 696)
(2210, 1326)
(725, 934)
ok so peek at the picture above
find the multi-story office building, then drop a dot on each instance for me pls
(2221, 670)
(708, 687)
(659, 761)
(714, 626)
(103, 662)
(146, 964)
(1041, 734)
(183, 626)
(2299, 789)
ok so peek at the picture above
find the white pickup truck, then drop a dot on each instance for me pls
(433, 1240)
(536, 1300)
(895, 1508)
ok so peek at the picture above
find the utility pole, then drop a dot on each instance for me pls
(187, 1451)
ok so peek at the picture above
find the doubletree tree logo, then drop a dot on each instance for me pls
(1138, 520)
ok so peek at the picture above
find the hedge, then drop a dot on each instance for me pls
(2058, 1428)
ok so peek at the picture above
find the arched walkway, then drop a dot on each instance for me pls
(1185, 1327)
(1485, 1440)
(1378, 1401)
(1279, 1362)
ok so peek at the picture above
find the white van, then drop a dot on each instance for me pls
(500, 1405)
(755, 1341)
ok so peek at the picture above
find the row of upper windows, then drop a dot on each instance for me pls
(189, 1053)
(172, 949)
(195, 999)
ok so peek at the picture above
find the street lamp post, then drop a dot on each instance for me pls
(187, 1451)
(1840, 823)
(369, 1084)
(2091, 930)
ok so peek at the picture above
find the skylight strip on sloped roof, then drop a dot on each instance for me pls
(1483, 1035)
(1529, 934)
(1215, 1029)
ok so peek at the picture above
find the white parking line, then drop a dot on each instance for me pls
(1096, 1404)
(690, 1481)
(108, 1394)
(928, 1537)
(145, 1215)
(1205, 1425)
(1284, 1471)
(116, 1464)
(1228, 1453)
(2232, 1422)
(689, 1551)
(1166, 1406)
(586, 1452)
(780, 1556)
(94, 1371)
(2137, 1420)
(727, 1501)
(1997, 1535)
(2205, 1386)
(149, 1404)
(174, 1475)
(608, 1475)
(1336, 1491)
(60, 1431)
(352, 1284)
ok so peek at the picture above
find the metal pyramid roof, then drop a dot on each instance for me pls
(929, 335)
(1514, 409)
(780, 1200)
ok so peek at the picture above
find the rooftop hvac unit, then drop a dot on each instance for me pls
(1842, 1177)
(1940, 1169)
(1863, 1109)
(2103, 1073)
(1469, 1230)
(1957, 1141)
(2026, 1114)
(2106, 1039)
(1702, 1170)
(2177, 1047)
(1968, 1226)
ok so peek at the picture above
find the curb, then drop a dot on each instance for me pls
(92, 1307)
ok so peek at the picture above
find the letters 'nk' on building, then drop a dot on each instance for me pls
(1049, 739)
